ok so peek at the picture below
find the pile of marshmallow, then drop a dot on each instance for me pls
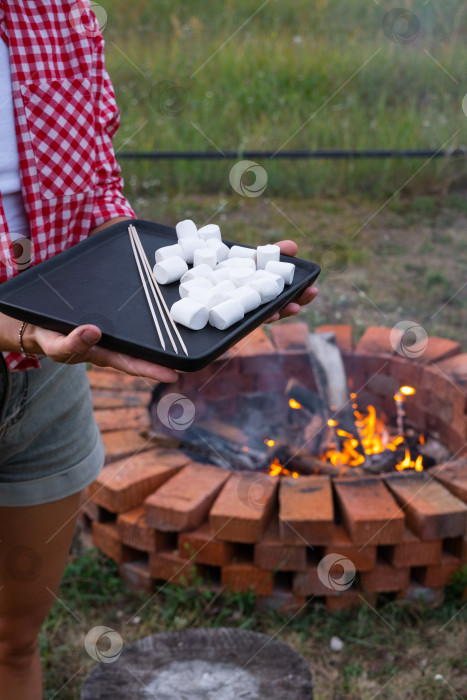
(223, 283)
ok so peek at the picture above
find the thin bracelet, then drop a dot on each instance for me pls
(29, 355)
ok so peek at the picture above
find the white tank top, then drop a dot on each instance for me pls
(10, 183)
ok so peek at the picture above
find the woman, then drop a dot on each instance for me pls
(59, 183)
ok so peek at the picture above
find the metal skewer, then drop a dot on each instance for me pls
(155, 286)
(151, 307)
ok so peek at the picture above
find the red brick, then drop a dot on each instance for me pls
(440, 575)
(385, 578)
(454, 439)
(431, 511)
(256, 353)
(308, 582)
(453, 476)
(183, 502)
(113, 379)
(171, 567)
(122, 419)
(92, 510)
(383, 385)
(255, 343)
(363, 558)
(435, 381)
(406, 371)
(106, 399)
(105, 537)
(455, 366)
(134, 532)
(369, 512)
(243, 508)
(457, 546)
(294, 364)
(374, 341)
(200, 546)
(290, 336)
(439, 349)
(412, 551)
(123, 443)
(227, 386)
(124, 484)
(441, 410)
(136, 576)
(343, 335)
(270, 382)
(273, 554)
(347, 600)
(306, 510)
(242, 578)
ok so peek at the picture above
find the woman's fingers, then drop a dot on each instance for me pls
(288, 247)
(80, 346)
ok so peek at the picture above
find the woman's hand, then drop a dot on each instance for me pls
(290, 248)
(81, 346)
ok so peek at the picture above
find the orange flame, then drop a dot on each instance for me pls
(372, 438)
(276, 469)
(408, 463)
(294, 404)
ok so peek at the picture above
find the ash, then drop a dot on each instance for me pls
(202, 680)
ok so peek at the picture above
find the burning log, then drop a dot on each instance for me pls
(304, 462)
(205, 446)
(328, 367)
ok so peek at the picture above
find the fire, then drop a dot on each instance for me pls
(372, 437)
(408, 463)
(276, 469)
(269, 443)
(294, 404)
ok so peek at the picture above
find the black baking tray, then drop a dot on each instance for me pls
(97, 281)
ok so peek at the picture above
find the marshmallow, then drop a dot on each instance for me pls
(205, 256)
(284, 269)
(210, 231)
(186, 229)
(219, 275)
(248, 297)
(265, 254)
(239, 251)
(200, 282)
(189, 313)
(267, 288)
(189, 245)
(207, 297)
(170, 270)
(236, 262)
(241, 275)
(265, 274)
(226, 314)
(198, 271)
(169, 251)
(222, 251)
(225, 287)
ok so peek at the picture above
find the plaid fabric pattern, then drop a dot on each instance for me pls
(65, 117)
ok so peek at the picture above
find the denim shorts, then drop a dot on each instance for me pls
(50, 445)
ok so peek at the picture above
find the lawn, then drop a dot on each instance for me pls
(389, 235)
(397, 651)
(248, 75)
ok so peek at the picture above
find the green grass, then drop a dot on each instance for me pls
(394, 653)
(300, 75)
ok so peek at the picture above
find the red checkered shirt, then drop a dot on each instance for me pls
(65, 117)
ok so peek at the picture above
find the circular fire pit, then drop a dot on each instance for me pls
(338, 536)
(203, 664)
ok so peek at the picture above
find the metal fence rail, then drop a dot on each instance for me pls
(293, 155)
